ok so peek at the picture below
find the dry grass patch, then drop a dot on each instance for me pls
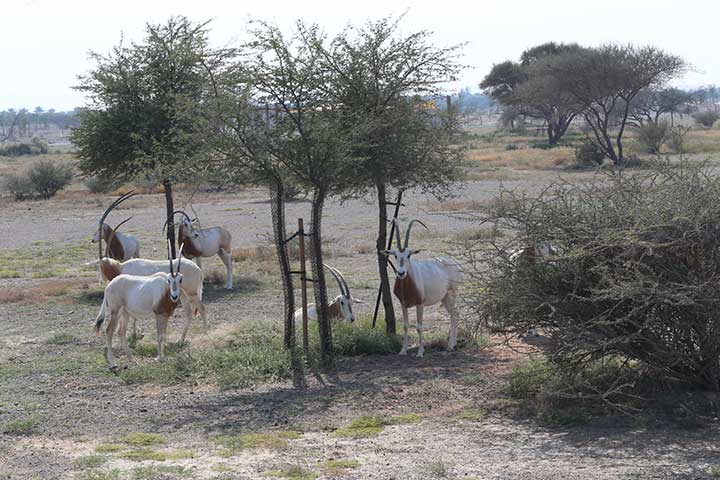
(455, 205)
(523, 158)
(38, 293)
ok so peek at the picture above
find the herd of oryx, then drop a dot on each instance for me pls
(139, 288)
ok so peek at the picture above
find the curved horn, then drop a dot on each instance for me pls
(337, 278)
(180, 256)
(409, 227)
(396, 224)
(170, 259)
(107, 211)
(342, 279)
(172, 218)
(112, 236)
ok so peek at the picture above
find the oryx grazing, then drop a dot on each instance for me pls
(340, 307)
(120, 246)
(191, 289)
(423, 283)
(205, 242)
(139, 297)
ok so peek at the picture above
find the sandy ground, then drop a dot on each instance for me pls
(79, 406)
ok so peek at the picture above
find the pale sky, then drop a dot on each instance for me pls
(44, 43)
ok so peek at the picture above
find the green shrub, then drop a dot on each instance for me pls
(511, 146)
(651, 136)
(36, 146)
(20, 186)
(706, 118)
(589, 154)
(47, 178)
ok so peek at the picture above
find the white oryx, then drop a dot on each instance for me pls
(191, 289)
(339, 307)
(139, 297)
(422, 283)
(205, 242)
(528, 256)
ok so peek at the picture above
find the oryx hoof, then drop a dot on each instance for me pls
(420, 354)
(113, 368)
(159, 359)
(403, 352)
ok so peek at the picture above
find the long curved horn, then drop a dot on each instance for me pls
(396, 224)
(337, 278)
(112, 236)
(409, 227)
(172, 218)
(180, 256)
(107, 211)
(170, 259)
(342, 279)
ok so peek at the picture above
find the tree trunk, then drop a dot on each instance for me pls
(277, 207)
(169, 208)
(320, 288)
(381, 243)
(552, 137)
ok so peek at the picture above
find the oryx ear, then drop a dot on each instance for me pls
(357, 300)
(387, 253)
(413, 252)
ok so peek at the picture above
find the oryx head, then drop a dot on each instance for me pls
(344, 299)
(403, 253)
(175, 279)
(99, 234)
(186, 225)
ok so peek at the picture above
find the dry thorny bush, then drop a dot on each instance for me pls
(627, 270)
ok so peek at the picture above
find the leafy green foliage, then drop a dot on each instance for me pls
(589, 154)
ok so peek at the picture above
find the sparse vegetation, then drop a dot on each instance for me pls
(24, 426)
(90, 461)
(269, 441)
(294, 473)
(706, 118)
(372, 425)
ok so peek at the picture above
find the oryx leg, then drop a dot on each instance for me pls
(188, 309)
(161, 322)
(449, 304)
(421, 349)
(405, 331)
(109, 331)
(227, 260)
(122, 332)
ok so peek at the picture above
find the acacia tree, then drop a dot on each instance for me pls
(383, 81)
(652, 103)
(605, 82)
(311, 136)
(145, 103)
(242, 136)
(526, 88)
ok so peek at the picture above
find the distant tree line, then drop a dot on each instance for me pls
(609, 87)
(23, 123)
